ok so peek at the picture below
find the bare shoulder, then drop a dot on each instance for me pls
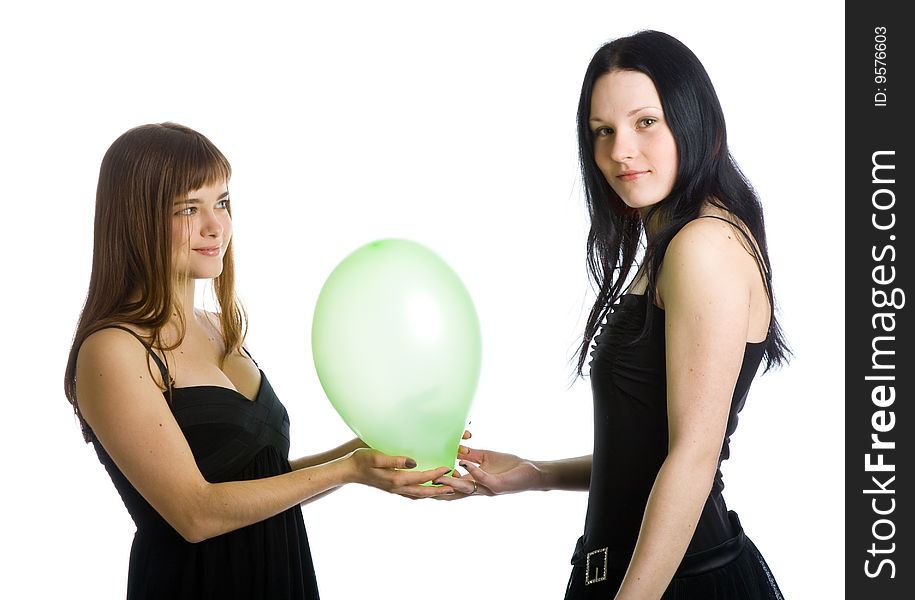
(706, 258)
(702, 245)
(111, 363)
(702, 236)
(110, 346)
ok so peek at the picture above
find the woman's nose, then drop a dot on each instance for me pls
(211, 227)
(623, 148)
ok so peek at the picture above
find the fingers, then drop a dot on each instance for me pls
(479, 475)
(415, 478)
(436, 476)
(463, 485)
(449, 479)
(398, 468)
(463, 449)
(385, 461)
(471, 454)
(427, 491)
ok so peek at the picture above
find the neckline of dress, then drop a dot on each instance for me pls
(255, 400)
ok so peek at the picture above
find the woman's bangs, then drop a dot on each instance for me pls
(204, 165)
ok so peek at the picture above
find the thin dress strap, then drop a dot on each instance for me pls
(163, 370)
(251, 357)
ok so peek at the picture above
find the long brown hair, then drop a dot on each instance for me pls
(133, 280)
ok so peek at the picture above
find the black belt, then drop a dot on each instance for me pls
(598, 561)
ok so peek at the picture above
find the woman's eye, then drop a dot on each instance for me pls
(223, 203)
(647, 122)
(190, 210)
(602, 131)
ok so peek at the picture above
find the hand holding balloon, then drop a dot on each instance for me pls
(490, 473)
(372, 468)
(396, 344)
(493, 473)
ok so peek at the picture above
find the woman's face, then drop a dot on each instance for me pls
(201, 231)
(633, 146)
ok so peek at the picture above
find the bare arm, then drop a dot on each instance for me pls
(129, 415)
(706, 294)
(497, 473)
(324, 457)
(573, 474)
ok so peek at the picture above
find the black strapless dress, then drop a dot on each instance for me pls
(232, 439)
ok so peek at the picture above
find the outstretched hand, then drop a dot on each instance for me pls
(373, 468)
(490, 473)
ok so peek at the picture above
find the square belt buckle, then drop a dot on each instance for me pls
(600, 566)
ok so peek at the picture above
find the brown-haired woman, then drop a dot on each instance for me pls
(187, 426)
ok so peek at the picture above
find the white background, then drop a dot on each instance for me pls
(452, 125)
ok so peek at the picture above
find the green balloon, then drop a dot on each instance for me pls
(396, 344)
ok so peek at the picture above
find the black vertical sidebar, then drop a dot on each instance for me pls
(879, 366)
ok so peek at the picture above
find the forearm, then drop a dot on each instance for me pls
(328, 456)
(673, 509)
(572, 474)
(223, 507)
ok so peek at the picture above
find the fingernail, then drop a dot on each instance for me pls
(410, 463)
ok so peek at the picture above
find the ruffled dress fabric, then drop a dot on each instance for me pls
(628, 378)
(232, 439)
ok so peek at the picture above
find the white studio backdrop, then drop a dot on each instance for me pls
(452, 125)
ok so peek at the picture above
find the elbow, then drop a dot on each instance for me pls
(701, 461)
(190, 527)
(193, 534)
(193, 521)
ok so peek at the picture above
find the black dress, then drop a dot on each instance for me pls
(628, 380)
(232, 439)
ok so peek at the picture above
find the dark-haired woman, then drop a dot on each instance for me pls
(188, 427)
(678, 334)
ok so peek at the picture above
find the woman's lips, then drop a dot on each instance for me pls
(214, 251)
(631, 175)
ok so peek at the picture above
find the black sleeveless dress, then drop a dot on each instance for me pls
(232, 439)
(628, 381)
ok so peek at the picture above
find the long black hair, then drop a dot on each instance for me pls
(706, 172)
